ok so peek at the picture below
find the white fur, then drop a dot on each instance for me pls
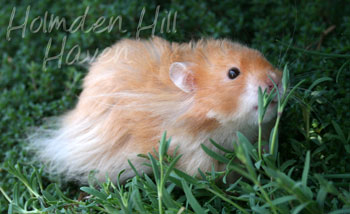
(73, 152)
(245, 119)
(249, 102)
(195, 157)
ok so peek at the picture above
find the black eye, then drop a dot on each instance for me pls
(233, 73)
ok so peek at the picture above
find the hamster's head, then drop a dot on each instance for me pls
(224, 78)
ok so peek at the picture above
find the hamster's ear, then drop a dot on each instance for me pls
(182, 76)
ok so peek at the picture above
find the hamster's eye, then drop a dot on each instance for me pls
(233, 73)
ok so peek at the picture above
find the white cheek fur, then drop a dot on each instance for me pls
(245, 119)
(249, 101)
(245, 113)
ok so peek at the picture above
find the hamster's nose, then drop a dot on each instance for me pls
(270, 85)
(272, 79)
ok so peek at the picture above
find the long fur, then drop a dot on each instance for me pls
(128, 100)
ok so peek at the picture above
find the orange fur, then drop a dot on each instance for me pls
(128, 100)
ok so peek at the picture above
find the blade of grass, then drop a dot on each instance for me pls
(306, 169)
(191, 199)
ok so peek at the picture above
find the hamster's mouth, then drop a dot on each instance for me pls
(273, 103)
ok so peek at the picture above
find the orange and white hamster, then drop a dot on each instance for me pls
(137, 89)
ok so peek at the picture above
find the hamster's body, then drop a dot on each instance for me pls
(136, 90)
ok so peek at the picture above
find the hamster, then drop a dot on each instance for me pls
(137, 89)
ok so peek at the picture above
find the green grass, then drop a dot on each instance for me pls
(308, 169)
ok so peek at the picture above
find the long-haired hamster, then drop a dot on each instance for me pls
(137, 89)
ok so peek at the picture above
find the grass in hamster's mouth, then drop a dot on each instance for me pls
(272, 104)
(310, 172)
